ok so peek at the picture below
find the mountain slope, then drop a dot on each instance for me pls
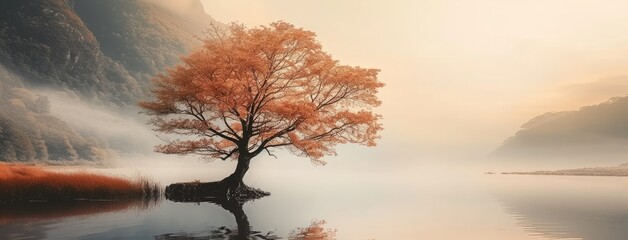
(144, 36)
(595, 134)
(106, 52)
(47, 43)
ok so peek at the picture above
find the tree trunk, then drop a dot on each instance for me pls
(235, 180)
(232, 187)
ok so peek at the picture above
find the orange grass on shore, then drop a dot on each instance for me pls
(20, 183)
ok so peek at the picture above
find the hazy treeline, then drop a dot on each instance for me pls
(29, 132)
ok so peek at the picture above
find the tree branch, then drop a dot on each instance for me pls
(235, 150)
(270, 154)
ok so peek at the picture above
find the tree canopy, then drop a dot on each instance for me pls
(247, 91)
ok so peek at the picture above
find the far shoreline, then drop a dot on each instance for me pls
(618, 171)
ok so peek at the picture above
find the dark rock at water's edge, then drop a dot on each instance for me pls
(211, 191)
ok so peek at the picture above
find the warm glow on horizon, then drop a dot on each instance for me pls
(301, 120)
(462, 73)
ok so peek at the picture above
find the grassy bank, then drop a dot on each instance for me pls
(19, 183)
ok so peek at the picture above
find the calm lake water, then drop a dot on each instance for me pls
(432, 203)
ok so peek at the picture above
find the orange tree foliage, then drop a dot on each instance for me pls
(246, 91)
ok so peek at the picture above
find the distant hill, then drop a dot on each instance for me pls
(595, 134)
(105, 51)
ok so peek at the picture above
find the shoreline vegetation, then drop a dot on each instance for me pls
(618, 171)
(22, 183)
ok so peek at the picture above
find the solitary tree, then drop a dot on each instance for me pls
(248, 91)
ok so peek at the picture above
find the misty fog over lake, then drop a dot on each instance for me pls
(201, 119)
(436, 204)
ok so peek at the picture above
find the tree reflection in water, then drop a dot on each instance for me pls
(234, 206)
(315, 231)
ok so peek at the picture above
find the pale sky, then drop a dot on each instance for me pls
(461, 76)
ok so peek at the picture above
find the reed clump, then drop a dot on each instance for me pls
(21, 183)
